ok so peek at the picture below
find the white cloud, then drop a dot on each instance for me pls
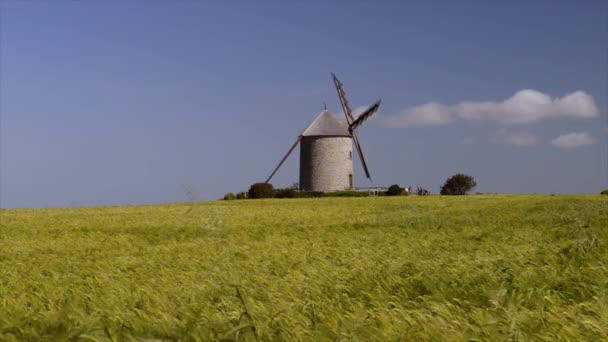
(530, 106)
(518, 139)
(573, 140)
(430, 114)
(525, 106)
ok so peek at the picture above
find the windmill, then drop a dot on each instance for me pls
(326, 159)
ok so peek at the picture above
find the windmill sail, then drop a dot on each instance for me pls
(343, 100)
(364, 116)
(361, 157)
(284, 158)
(354, 124)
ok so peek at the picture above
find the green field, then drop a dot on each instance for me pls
(495, 268)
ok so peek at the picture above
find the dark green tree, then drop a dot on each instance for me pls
(261, 190)
(458, 184)
(393, 190)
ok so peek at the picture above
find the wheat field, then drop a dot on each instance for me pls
(469, 268)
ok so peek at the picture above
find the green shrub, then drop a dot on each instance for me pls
(229, 196)
(261, 190)
(285, 193)
(311, 194)
(290, 193)
(241, 195)
(394, 190)
(422, 191)
(458, 184)
(605, 192)
(347, 193)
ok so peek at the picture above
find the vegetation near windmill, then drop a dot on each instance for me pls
(290, 193)
(241, 195)
(285, 193)
(261, 190)
(346, 193)
(604, 192)
(367, 269)
(394, 190)
(420, 191)
(458, 184)
(229, 196)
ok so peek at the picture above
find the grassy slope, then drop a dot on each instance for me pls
(434, 268)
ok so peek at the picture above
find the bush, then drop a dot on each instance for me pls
(311, 194)
(347, 193)
(285, 193)
(241, 195)
(261, 190)
(394, 190)
(605, 192)
(317, 194)
(422, 191)
(458, 184)
(229, 196)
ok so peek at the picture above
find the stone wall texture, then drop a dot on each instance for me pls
(326, 163)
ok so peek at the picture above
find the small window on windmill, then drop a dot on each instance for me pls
(350, 155)
(350, 181)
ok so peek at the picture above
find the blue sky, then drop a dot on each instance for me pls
(113, 103)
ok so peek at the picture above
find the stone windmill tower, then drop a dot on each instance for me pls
(326, 158)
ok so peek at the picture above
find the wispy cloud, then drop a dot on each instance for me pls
(430, 114)
(467, 141)
(573, 140)
(517, 139)
(525, 106)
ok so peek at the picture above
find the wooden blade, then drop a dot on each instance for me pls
(364, 116)
(361, 157)
(343, 100)
(284, 158)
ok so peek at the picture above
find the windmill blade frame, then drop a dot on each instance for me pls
(343, 101)
(361, 157)
(364, 116)
(284, 158)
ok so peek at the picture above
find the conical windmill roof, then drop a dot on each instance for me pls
(326, 124)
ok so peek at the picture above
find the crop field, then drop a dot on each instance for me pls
(492, 268)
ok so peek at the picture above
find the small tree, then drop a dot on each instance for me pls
(229, 196)
(420, 191)
(393, 190)
(261, 190)
(241, 195)
(605, 192)
(458, 184)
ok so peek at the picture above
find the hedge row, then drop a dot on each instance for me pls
(290, 193)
